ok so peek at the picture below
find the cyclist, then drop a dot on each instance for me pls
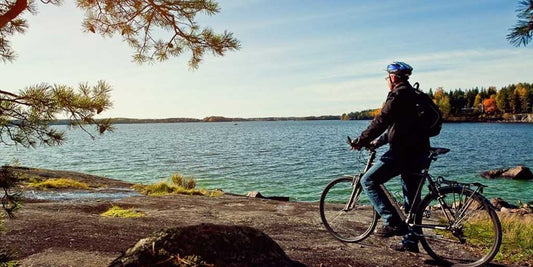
(407, 155)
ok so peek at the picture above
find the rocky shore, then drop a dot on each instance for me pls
(527, 118)
(72, 232)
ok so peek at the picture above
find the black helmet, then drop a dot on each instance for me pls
(399, 68)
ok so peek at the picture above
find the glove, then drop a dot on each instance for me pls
(383, 139)
(373, 145)
(355, 144)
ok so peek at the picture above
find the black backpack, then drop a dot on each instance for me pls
(429, 115)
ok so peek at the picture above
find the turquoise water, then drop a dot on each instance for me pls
(284, 158)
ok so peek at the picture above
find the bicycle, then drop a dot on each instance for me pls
(452, 215)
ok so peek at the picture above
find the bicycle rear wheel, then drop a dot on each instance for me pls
(462, 229)
(347, 222)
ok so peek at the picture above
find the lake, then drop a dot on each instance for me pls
(277, 158)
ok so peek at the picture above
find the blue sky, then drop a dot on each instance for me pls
(298, 58)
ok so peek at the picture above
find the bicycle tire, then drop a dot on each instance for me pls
(474, 237)
(347, 225)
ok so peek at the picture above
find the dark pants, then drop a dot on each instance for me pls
(389, 166)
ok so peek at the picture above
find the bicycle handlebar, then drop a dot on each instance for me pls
(370, 147)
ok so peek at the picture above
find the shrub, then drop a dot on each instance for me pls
(8, 181)
(58, 183)
(119, 212)
(8, 178)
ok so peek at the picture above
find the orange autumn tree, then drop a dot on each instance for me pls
(375, 112)
(489, 105)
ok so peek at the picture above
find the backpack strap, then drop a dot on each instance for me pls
(416, 85)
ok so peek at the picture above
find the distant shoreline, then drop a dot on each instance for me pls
(515, 118)
(210, 119)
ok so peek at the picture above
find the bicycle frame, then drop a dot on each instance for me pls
(356, 191)
(440, 220)
(433, 187)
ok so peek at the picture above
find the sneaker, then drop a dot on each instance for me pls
(388, 230)
(403, 247)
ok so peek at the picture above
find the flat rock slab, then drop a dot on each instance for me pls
(77, 226)
(71, 232)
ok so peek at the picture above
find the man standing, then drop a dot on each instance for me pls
(407, 156)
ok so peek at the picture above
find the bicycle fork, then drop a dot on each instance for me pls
(356, 191)
(357, 187)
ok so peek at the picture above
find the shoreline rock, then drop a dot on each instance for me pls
(257, 194)
(517, 173)
(504, 207)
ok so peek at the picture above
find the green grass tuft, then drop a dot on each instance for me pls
(59, 183)
(517, 241)
(119, 212)
(6, 259)
(176, 184)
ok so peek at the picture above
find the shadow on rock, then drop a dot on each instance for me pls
(206, 245)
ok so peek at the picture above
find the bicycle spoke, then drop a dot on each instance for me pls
(334, 218)
(461, 228)
(465, 212)
(344, 211)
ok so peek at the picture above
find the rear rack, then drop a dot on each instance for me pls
(479, 186)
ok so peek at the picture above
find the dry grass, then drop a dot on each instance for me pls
(119, 212)
(59, 183)
(176, 184)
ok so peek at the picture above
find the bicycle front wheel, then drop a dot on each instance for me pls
(459, 227)
(346, 212)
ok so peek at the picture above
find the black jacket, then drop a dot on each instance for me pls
(399, 117)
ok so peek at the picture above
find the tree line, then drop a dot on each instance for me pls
(472, 104)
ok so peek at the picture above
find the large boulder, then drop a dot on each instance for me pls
(516, 173)
(206, 244)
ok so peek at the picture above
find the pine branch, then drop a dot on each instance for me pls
(13, 12)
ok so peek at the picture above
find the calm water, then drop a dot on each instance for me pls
(290, 158)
